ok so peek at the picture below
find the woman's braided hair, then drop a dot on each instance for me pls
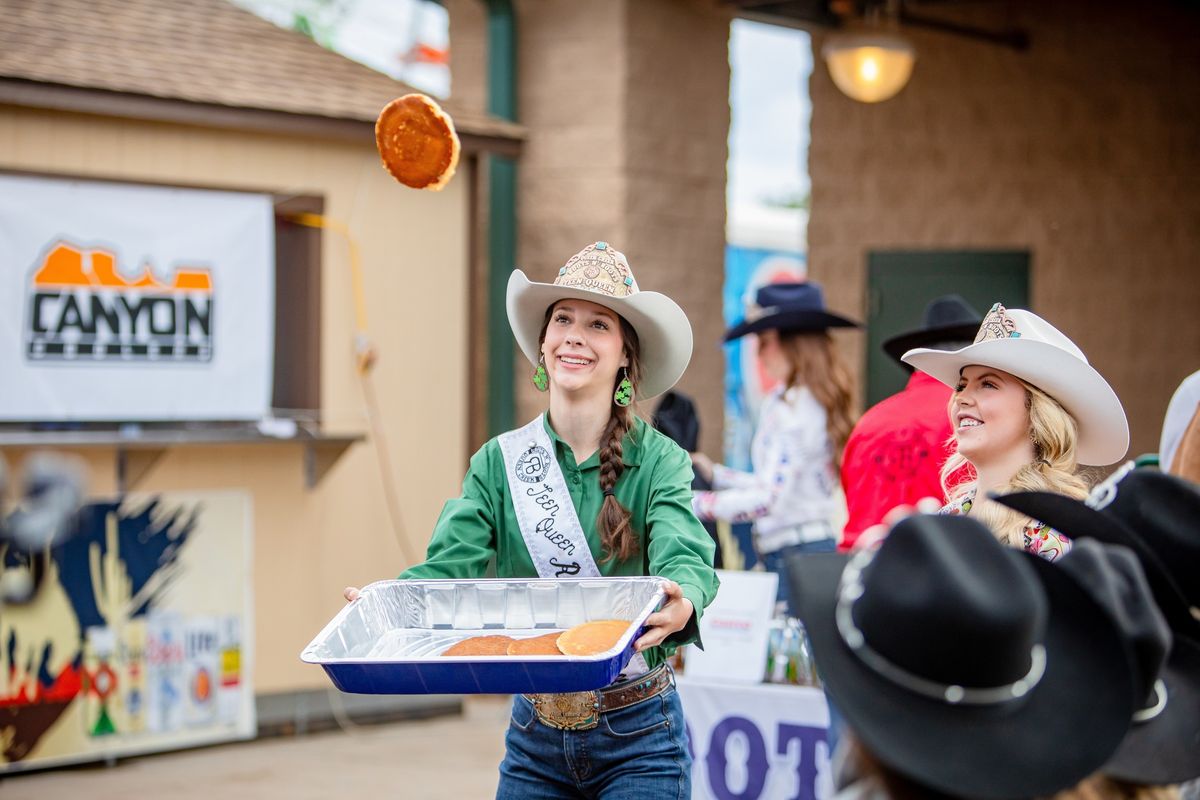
(614, 523)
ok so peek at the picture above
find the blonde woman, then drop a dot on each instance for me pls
(1027, 411)
(791, 494)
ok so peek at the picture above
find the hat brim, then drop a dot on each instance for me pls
(1061, 732)
(898, 345)
(664, 333)
(1077, 520)
(1075, 384)
(786, 321)
(1166, 749)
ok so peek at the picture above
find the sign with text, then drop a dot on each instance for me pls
(756, 742)
(735, 629)
(129, 302)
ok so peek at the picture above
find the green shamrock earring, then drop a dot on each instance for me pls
(623, 396)
(541, 381)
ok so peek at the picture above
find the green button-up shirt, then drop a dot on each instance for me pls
(655, 486)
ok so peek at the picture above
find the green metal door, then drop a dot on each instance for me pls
(900, 284)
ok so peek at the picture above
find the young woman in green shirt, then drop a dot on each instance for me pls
(596, 343)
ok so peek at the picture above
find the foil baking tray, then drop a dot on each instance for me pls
(390, 639)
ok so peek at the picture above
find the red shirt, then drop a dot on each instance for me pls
(894, 454)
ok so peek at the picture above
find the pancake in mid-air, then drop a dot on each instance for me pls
(480, 646)
(546, 645)
(417, 142)
(591, 638)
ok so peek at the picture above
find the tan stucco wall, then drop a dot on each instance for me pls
(308, 544)
(626, 104)
(1085, 150)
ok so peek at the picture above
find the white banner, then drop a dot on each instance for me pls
(128, 302)
(752, 742)
(735, 629)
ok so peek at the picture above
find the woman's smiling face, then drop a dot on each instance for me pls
(989, 414)
(583, 346)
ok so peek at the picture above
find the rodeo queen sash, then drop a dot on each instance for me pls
(545, 513)
(547, 518)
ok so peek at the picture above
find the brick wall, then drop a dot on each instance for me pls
(1085, 150)
(626, 107)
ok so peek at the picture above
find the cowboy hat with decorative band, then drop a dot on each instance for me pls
(1163, 743)
(1155, 515)
(948, 318)
(1023, 344)
(600, 274)
(972, 668)
(788, 307)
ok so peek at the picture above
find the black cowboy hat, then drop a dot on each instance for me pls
(1154, 514)
(1163, 743)
(947, 318)
(972, 668)
(789, 307)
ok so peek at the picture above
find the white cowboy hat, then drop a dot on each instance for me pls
(1025, 345)
(600, 274)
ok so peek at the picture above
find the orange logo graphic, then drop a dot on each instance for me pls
(82, 309)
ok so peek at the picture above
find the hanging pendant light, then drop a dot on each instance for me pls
(869, 66)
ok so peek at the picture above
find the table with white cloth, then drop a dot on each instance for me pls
(753, 741)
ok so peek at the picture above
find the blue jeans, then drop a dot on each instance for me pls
(776, 561)
(634, 753)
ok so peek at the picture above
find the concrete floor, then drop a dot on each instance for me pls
(446, 757)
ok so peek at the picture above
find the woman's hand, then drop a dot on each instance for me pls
(703, 466)
(350, 593)
(672, 617)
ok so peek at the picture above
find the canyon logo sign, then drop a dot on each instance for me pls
(81, 309)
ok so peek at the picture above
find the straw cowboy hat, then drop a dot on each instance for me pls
(968, 680)
(600, 274)
(788, 307)
(1023, 344)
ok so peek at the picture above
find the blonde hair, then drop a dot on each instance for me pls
(1099, 787)
(614, 523)
(1054, 469)
(817, 365)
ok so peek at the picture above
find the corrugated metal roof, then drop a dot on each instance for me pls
(199, 51)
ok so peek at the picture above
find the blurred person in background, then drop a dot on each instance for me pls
(1027, 411)
(1157, 517)
(1182, 412)
(895, 453)
(971, 688)
(595, 343)
(792, 494)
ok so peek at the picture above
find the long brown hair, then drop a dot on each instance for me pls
(817, 365)
(1054, 467)
(614, 523)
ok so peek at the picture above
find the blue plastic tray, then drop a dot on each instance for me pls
(390, 639)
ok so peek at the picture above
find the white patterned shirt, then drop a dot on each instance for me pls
(793, 483)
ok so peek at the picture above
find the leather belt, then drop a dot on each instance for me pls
(580, 711)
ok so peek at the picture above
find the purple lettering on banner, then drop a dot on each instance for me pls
(756, 760)
(806, 763)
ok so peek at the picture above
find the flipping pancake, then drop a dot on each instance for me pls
(417, 142)
(546, 645)
(481, 646)
(591, 638)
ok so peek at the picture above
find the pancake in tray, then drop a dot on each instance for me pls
(480, 646)
(546, 645)
(591, 638)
